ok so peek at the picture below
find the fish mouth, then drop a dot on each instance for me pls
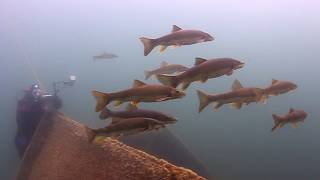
(210, 38)
(241, 65)
(170, 122)
(294, 87)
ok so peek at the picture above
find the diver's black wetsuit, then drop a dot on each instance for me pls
(30, 111)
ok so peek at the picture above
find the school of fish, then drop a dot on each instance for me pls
(134, 120)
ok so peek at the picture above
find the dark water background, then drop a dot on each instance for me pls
(275, 39)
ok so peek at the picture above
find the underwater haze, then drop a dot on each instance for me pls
(50, 40)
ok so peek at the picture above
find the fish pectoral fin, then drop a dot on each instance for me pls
(263, 99)
(162, 48)
(117, 103)
(236, 105)
(294, 125)
(185, 85)
(217, 106)
(281, 124)
(163, 99)
(230, 73)
(134, 103)
(131, 107)
(204, 79)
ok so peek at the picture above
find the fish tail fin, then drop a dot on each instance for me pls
(203, 100)
(148, 74)
(102, 99)
(105, 114)
(168, 80)
(148, 44)
(277, 120)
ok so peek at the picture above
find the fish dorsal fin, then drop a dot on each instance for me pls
(131, 107)
(115, 120)
(137, 83)
(236, 85)
(199, 61)
(175, 28)
(274, 81)
(163, 64)
(291, 110)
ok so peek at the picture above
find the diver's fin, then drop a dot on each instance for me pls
(163, 64)
(148, 44)
(131, 107)
(274, 81)
(162, 48)
(175, 28)
(137, 83)
(199, 61)
(236, 85)
(102, 99)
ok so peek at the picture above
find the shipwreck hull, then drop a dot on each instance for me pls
(60, 150)
(165, 145)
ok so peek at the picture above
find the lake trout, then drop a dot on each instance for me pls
(202, 71)
(177, 37)
(140, 92)
(238, 96)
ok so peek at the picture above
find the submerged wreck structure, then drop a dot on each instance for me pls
(60, 150)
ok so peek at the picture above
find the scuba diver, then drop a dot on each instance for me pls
(30, 110)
